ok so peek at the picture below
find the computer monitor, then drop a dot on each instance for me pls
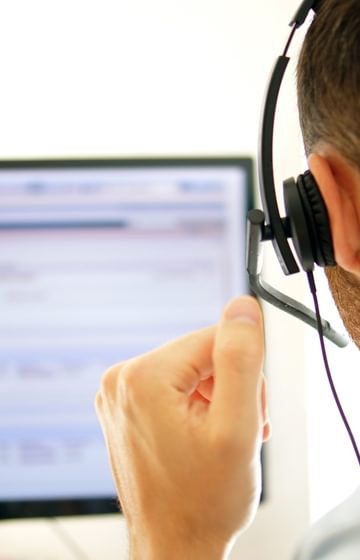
(100, 260)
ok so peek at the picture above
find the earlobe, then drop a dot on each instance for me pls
(339, 185)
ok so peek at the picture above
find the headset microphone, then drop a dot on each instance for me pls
(306, 220)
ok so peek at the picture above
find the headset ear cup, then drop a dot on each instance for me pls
(299, 229)
(318, 220)
(309, 222)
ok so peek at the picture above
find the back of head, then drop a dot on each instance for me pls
(328, 79)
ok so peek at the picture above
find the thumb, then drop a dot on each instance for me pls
(238, 358)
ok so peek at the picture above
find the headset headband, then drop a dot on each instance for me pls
(277, 229)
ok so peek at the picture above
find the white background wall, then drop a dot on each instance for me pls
(143, 77)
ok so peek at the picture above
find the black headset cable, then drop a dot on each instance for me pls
(312, 286)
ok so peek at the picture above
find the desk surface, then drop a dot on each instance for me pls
(81, 538)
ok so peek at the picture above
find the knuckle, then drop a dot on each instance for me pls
(131, 383)
(120, 386)
(131, 374)
(246, 349)
(228, 347)
(109, 380)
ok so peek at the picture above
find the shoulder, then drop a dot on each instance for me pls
(336, 536)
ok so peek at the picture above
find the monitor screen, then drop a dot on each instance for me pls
(100, 260)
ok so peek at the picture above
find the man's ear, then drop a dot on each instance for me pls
(339, 184)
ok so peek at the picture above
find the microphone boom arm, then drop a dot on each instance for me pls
(256, 234)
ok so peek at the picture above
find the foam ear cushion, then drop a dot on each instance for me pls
(317, 219)
(301, 234)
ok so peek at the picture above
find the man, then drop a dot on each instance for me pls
(188, 420)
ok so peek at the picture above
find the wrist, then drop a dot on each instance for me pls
(163, 547)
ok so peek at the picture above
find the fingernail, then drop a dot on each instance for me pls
(244, 309)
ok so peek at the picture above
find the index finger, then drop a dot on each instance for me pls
(181, 363)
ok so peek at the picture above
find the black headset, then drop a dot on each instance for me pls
(306, 221)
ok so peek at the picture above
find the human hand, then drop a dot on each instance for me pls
(184, 425)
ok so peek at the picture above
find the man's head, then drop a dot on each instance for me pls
(328, 84)
(329, 79)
